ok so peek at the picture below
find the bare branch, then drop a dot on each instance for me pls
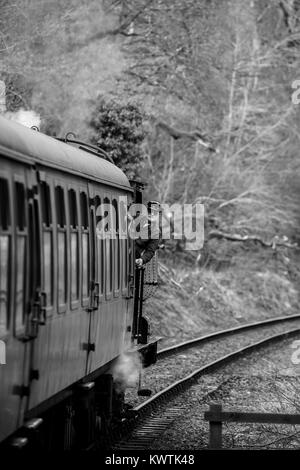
(276, 241)
(195, 135)
(121, 29)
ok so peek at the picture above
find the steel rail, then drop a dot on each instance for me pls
(223, 333)
(136, 414)
(212, 366)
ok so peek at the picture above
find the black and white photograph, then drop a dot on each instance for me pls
(150, 229)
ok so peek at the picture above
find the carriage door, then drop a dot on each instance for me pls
(16, 199)
(94, 284)
(32, 284)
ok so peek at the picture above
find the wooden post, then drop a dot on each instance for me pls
(215, 429)
(215, 416)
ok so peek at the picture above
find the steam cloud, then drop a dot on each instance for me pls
(26, 118)
(126, 371)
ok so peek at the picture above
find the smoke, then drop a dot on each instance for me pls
(26, 118)
(126, 371)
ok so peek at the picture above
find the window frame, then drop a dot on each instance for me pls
(61, 228)
(124, 250)
(20, 233)
(49, 228)
(74, 303)
(84, 230)
(108, 293)
(117, 277)
(8, 231)
(100, 254)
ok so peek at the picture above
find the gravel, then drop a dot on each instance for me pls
(167, 370)
(264, 381)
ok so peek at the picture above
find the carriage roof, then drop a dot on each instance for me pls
(18, 141)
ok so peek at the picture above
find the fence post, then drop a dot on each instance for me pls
(215, 429)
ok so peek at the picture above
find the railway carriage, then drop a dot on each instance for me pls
(67, 297)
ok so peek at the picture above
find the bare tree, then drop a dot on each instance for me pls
(246, 185)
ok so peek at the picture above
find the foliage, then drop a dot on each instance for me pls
(44, 41)
(226, 68)
(118, 129)
(18, 91)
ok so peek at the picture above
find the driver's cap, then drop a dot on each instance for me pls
(153, 206)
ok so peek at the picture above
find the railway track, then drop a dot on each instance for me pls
(166, 352)
(146, 420)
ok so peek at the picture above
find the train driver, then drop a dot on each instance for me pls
(148, 241)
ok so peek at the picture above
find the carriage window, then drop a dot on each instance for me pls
(47, 243)
(124, 244)
(116, 243)
(46, 204)
(73, 209)
(74, 245)
(124, 263)
(20, 203)
(84, 211)
(48, 257)
(20, 254)
(84, 244)
(4, 205)
(61, 244)
(20, 280)
(4, 257)
(100, 244)
(4, 253)
(108, 241)
(60, 206)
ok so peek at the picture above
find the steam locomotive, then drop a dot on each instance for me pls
(70, 301)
